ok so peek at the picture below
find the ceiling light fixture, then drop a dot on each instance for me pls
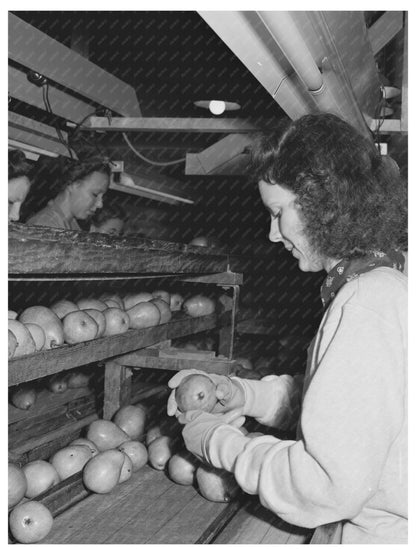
(217, 107)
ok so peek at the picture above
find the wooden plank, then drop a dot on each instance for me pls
(328, 533)
(384, 30)
(63, 104)
(31, 132)
(220, 153)
(99, 517)
(35, 50)
(44, 363)
(175, 125)
(47, 401)
(117, 388)
(41, 250)
(227, 332)
(221, 521)
(215, 365)
(64, 495)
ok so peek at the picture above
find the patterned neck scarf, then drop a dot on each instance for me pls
(349, 269)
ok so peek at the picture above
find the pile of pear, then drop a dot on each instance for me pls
(68, 322)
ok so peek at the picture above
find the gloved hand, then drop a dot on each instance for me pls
(230, 395)
(199, 426)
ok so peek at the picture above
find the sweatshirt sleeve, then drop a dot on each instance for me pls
(274, 400)
(352, 412)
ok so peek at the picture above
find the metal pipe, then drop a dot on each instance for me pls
(285, 32)
(244, 33)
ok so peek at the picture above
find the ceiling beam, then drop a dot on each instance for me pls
(175, 125)
(37, 51)
(225, 157)
(384, 30)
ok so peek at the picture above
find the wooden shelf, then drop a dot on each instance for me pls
(148, 508)
(44, 363)
(37, 251)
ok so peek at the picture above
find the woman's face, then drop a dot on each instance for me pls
(86, 195)
(18, 190)
(113, 226)
(287, 227)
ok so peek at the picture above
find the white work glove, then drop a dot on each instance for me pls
(200, 425)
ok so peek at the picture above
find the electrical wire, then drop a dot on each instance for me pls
(153, 162)
(45, 93)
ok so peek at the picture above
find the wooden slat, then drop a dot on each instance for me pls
(31, 132)
(41, 250)
(221, 153)
(384, 30)
(63, 104)
(175, 125)
(328, 533)
(35, 50)
(64, 495)
(44, 363)
(214, 365)
(404, 123)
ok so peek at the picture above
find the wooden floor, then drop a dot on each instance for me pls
(150, 508)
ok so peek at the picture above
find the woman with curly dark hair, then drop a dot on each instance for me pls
(337, 206)
(77, 189)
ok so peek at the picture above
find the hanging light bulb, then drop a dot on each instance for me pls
(217, 107)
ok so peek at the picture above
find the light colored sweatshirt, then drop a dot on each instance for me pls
(349, 461)
(52, 216)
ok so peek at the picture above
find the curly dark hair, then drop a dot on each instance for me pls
(18, 164)
(351, 198)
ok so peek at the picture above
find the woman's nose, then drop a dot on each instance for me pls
(274, 234)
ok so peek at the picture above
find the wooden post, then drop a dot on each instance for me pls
(117, 388)
(226, 334)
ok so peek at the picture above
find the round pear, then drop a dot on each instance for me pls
(63, 307)
(176, 302)
(126, 470)
(77, 380)
(12, 314)
(24, 397)
(99, 320)
(144, 315)
(164, 309)
(199, 305)
(216, 484)
(17, 484)
(88, 443)
(131, 419)
(116, 321)
(161, 294)
(70, 460)
(132, 299)
(38, 335)
(137, 453)
(58, 383)
(105, 434)
(12, 344)
(102, 473)
(79, 327)
(40, 475)
(30, 522)
(24, 341)
(196, 392)
(160, 451)
(114, 298)
(182, 467)
(48, 321)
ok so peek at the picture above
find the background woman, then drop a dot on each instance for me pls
(19, 182)
(336, 206)
(79, 188)
(110, 220)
